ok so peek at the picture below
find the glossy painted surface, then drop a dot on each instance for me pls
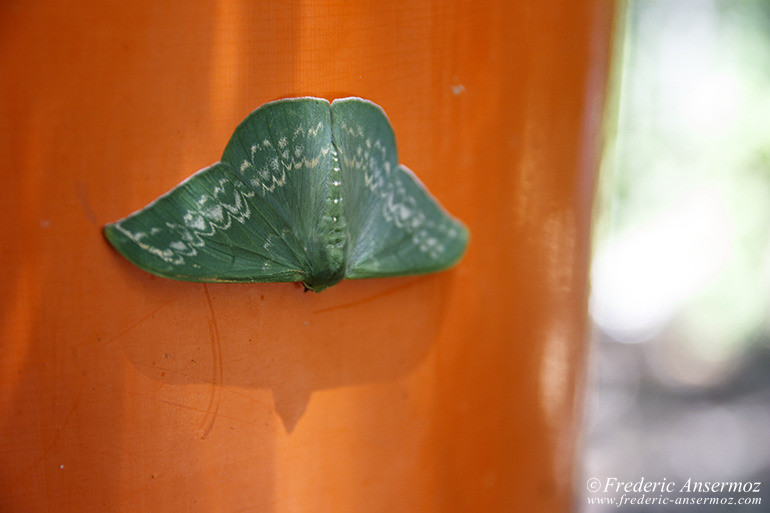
(122, 391)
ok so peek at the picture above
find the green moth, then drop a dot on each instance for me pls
(306, 191)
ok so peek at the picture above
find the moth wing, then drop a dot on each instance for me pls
(395, 226)
(283, 151)
(211, 227)
(250, 217)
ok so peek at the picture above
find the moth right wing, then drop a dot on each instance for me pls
(396, 227)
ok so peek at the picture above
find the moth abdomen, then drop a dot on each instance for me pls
(333, 221)
(328, 259)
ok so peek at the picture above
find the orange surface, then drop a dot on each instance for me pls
(451, 392)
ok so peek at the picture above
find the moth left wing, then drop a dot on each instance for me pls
(211, 227)
(284, 152)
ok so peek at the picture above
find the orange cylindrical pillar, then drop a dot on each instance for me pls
(450, 392)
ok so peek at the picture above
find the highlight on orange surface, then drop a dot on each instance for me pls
(447, 392)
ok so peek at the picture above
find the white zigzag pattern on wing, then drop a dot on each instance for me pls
(398, 207)
(215, 211)
(273, 175)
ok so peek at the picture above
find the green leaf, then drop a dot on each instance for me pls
(305, 192)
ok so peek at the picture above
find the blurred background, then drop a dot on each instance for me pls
(679, 383)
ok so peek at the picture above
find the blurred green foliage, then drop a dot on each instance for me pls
(690, 144)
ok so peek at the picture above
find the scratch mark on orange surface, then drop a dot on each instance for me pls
(195, 377)
(80, 192)
(216, 363)
(368, 299)
(64, 423)
(176, 404)
(140, 320)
